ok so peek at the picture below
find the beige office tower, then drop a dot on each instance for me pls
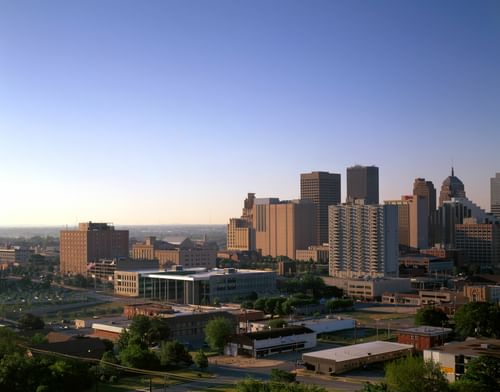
(90, 243)
(281, 227)
(323, 189)
(363, 240)
(413, 221)
(239, 230)
(479, 241)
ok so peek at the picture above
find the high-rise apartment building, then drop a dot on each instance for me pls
(424, 188)
(452, 187)
(363, 240)
(240, 234)
(90, 243)
(323, 189)
(413, 227)
(495, 195)
(362, 183)
(282, 227)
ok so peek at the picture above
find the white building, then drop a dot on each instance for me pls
(453, 357)
(363, 240)
(271, 341)
(343, 359)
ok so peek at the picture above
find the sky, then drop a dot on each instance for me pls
(158, 112)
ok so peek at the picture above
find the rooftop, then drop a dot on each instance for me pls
(277, 333)
(472, 347)
(426, 330)
(357, 351)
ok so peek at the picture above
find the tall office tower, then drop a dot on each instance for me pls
(413, 221)
(426, 189)
(495, 195)
(452, 213)
(323, 189)
(362, 183)
(282, 227)
(90, 243)
(240, 234)
(479, 241)
(452, 187)
(363, 240)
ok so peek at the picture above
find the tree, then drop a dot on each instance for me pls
(377, 387)
(478, 318)
(217, 332)
(282, 375)
(30, 321)
(260, 304)
(482, 375)
(247, 304)
(174, 354)
(251, 385)
(106, 365)
(412, 374)
(277, 323)
(201, 360)
(137, 356)
(432, 317)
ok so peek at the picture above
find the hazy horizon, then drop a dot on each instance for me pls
(159, 112)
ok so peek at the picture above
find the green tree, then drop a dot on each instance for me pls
(201, 360)
(137, 356)
(30, 321)
(247, 304)
(217, 332)
(377, 387)
(478, 318)
(482, 375)
(432, 317)
(277, 323)
(412, 374)
(174, 355)
(106, 365)
(260, 304)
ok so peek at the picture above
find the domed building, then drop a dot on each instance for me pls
(452, 187)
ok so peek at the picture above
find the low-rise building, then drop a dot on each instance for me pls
(424, 337)
(15, 254)
(369, 288)
(195, 286)
(316, 253)
(419, 265)
(401, 299)
(271, 341)
(482, 293)
(454, 357)
(188, 253)
(343, 359)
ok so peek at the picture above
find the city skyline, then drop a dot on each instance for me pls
(169, 113)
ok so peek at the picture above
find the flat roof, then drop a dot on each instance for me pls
(203, 275)
(357, 351)
(472, 347)
(426, 330)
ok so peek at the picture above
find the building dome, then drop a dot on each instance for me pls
(452, 187)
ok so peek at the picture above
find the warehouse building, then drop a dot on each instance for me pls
(343, 359)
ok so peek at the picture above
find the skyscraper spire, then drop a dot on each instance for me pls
(452, 172)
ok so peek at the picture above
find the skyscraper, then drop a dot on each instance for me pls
(495, 195)
(452, 187)
(362, 183)
(413, 221)
(240, 234)
(363, 240)
(426, 189)
(282, 227)
(90, 243)
(323, 189)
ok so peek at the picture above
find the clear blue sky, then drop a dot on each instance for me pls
(171, 111)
